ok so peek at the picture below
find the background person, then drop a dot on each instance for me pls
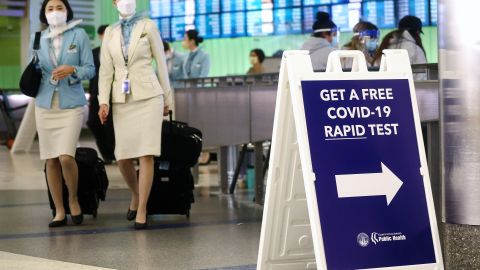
(175, 62)
(257, 56)
(104, 135)
(140, 96)
(407, 37)
(322, 42)
(66, 59)
(197, 62)
(365, 39)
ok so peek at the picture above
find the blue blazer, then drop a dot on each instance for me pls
(76, 52)
(176, 72)
(200, 65)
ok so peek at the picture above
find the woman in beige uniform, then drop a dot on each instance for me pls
(140, 98)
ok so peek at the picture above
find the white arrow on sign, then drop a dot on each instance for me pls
(385, 183)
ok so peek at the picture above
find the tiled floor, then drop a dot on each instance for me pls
(222, 233)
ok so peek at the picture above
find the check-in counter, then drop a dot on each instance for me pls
(235, 110)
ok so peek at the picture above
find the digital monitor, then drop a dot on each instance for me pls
(179, 26)
(286, 3)
(380, 13)
(433, 12)
(316, 2)
(208, 25)
(233, 5)
(340, 16)
(288, 21)
(418, 8)
(310, 16)
(164, 28)
(233, 24)
(160, 8)
(259, 22)
(253, 4)
(207, 6)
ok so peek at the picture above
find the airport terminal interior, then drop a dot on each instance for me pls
(239, 134)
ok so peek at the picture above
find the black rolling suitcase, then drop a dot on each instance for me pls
(173, 186)
(92, 182)
(172, 190)
(181, 144)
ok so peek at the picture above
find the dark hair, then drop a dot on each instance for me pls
(259, 53)
(323, 22)
(43, 18)
(166, 46)
(101, 29)
(355, 43)
(392, 35)
(193, 34)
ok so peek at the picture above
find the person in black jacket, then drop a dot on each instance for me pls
(104, 134)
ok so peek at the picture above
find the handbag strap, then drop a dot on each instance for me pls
(36, 42)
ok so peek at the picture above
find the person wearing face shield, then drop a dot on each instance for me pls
(257, 56)
(408, 37)
(365, 39)
(322, 42)
(175, 62)
(197, 62)
(65, 58)
(140, 96)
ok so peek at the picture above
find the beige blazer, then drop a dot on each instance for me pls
(145, 45)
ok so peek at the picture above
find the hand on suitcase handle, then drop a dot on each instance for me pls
(166, 110)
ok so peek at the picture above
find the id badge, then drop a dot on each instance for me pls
(126, 86)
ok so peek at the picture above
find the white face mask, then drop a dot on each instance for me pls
(126, 7)
(56, 18)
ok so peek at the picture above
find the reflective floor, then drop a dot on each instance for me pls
(223, 231)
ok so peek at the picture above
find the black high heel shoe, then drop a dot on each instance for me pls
(77, 220)
(131, 214)
(58, 223)
(140, 226)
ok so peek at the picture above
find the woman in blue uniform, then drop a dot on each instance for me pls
(65, 58)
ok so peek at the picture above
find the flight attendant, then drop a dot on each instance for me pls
(140, 97)
(65, 58)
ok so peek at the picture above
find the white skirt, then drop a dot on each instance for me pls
(138, 127)
(58, 129)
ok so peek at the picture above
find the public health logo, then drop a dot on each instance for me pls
(363, 239)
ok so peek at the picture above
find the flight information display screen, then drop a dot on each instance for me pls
(380, 13)
(310, 16)
(204, 6)
(233, 24)
(287, 3)
(433, 12)
(233, 5)
(208, 25)
(288, 21)
(417, 8)
(340, 15)
(236, 18)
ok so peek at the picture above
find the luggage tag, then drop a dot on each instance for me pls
(164, 165)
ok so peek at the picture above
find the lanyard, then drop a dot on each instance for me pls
(124, 52)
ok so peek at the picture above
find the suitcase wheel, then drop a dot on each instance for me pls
(188, 214)
(95, 214)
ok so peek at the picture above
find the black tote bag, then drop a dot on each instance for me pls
(31, 77)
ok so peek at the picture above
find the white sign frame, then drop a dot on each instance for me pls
(296, 66)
